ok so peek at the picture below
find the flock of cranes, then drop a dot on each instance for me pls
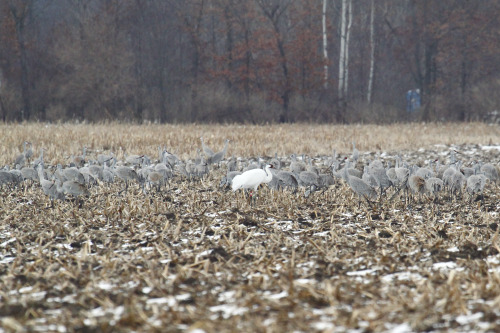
(75, 179)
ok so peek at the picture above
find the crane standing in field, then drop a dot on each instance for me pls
(206, 150)
(359, 186)
(25, 155)
(219, 156)
(50, 188)
(251, 179)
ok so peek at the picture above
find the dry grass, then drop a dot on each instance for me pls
(65, 139)
(195, 257)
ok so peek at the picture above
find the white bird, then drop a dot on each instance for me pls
(251, 179)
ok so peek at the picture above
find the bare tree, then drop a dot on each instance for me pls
(274, 11)
(20, 12)
(343, 28)
(372, 51)
(325, 46)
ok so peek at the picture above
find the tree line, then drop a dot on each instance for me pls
(248, 60)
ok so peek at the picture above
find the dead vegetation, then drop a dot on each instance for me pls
(195, 257)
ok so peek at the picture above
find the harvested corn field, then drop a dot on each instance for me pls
(189, 254)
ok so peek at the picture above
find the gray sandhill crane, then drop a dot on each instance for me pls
(50, 188)
(29, 151)
(439, 169)
(376, 163)
(475, 185)
(326, 180)
(160, 154)
(104, 159)
(308, 179)
(8, 178)
(126, 174)
(310, 167)
(253, 165)
(296, 166)
(18, 177)
(184, 169)
(275, 161)
(351, 171)
(330, 161)
(165, 169)
(197, 159)
(391, 174)
(5, 178)
(219, 156)
(287, 179)
(380, 175)
(134, 160)
(74, 189)
(232, 164)
(96, 171)
(368, 177)
(457, 182)
(275, 182)
(201, 169)
(71, 173)
(155, 178)
(228, 178)
(402, 173)
(425, 172)
(22, 157)
(206, 150)
(30, 174)
(169, 158)
(416, 184)
(108, 175)
(79, 160)
(359, 186)
(39, 160)
(448, 175)
(469, 171)
(433, 186)
(335, 167)
(399, 178)
(59, 173)
(450, 170)
(89, 178)
(490, 172)
(355, 154)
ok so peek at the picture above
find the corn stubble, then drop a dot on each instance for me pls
(194, 256)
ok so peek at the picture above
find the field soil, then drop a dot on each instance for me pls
(197, 257)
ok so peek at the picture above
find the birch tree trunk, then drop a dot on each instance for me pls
(372, 51)
(325, 51)
(342, 49)
(347, 40)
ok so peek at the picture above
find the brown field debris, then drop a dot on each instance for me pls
(194, 256)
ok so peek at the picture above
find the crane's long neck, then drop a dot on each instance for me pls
(269, 174)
